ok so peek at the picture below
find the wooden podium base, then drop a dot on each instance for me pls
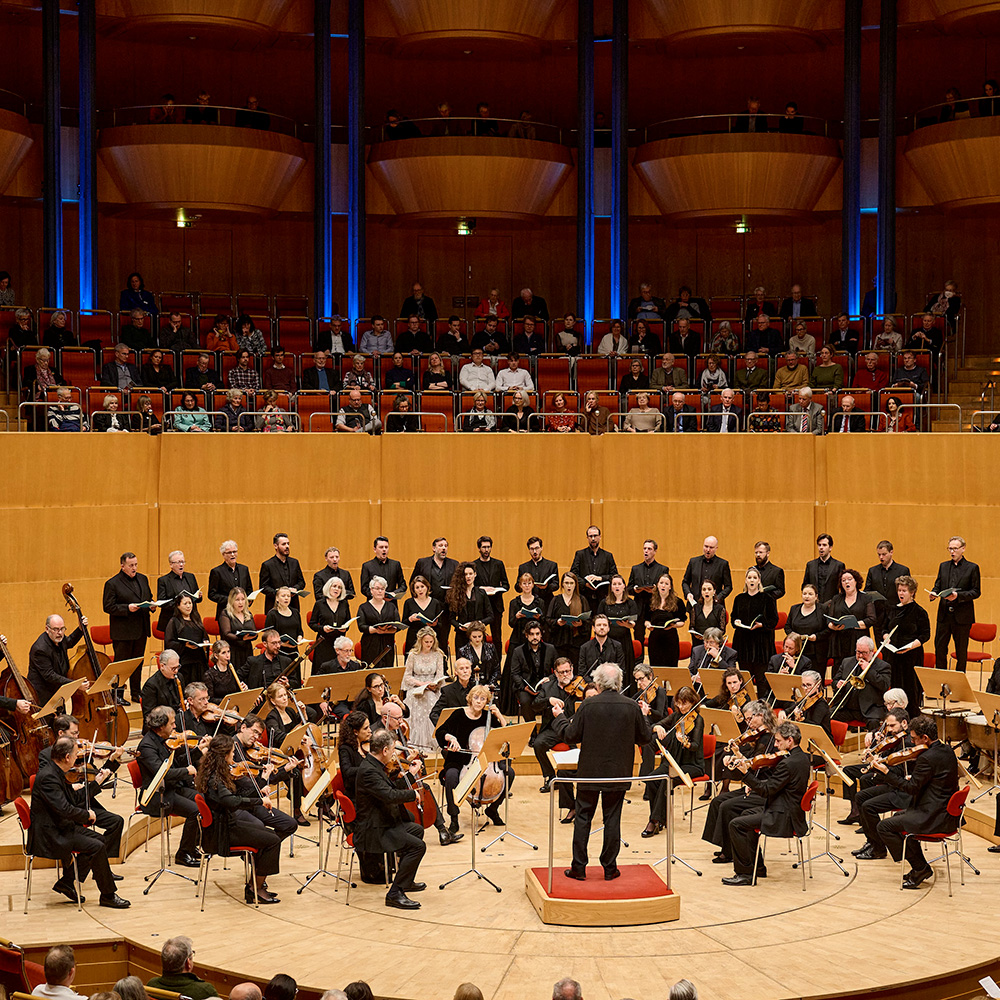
(640, 896)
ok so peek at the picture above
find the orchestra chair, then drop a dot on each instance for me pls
(16, 972)
(637, 650)
(135, 774)
(983, 633)
(808, 800)
(211, 626)
(956, 809)
(345, 814)
(782, 618)
(24, 821)
(708, 743)
(205, 855)
(101, 634)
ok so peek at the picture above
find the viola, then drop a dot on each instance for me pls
(576, 686)
(684, 729)
(904, 756)
(762, 760)
(103, 749)
(805, 704)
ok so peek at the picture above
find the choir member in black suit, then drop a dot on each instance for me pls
(567, 631)
(708, 566)
(850, 600)
(554, 686)
(770, 575)
(184, 632)
(237, 627)
(332, 569)
(543, 571)
(807, 620)
(438, 570)
(665, 616)
(48, 658)
(388, 569)
(912, 629)
(601, 649)
(129, 623)
(328, 618)
(373, 618)
(492, 573)
(865, 702)
(824, 571)
(530, 664)
(881, 579)
(228, 575)
(171, 585)
(281, 570)
(642, 582)
(621, 609)
(594, 567)
(466, 602)
(957, 611)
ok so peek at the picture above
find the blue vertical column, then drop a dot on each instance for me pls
(323, 194)
(619, 158)
(52, 222)
(885, 295)
(850, 274)
(355, 158)
(88, 155)
(585, 164)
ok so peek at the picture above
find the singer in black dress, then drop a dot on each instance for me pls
(665, 606)
(755, 617)
(912, 627)
(617, 605)
(372, 614)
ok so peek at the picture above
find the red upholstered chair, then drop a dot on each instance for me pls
(981, 632)
(248, 854)
(24, 820)
(807, 807)
(782, 618)
(101, 634)
(135, 776)
(708, 746)
(16, 973)
(637, 650)
(956, 809)
(685, 649)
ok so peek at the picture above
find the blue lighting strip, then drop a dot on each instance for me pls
(87, 157)
(585, 166)
(355, 159)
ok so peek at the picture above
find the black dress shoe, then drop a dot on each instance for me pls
(415, 887)
(453, 826)
(652, 829)
(870, 853)
(114, 902)
(68, 890)
(493, 814)
(706, 795)
(570, 817)
(738, 880)
(721, 859)
(914, 880)
(118, 878)
(610, 874)
(545, 785)
(995, 849)
(400, 902)
(447, 837)
(574, 873)
(761, 873)
(187, 861)
(851, 820)
(302, 821)
(864, 847)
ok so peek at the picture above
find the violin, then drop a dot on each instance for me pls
(805, 704)
(762, 760)
(904, 756)
(104, 749)
(740, 697)
(213, 713)
(81, 773)
(242, 769)
(684, 729)
(746, 739)
(648, 694)
(576, 686)
(184, 739)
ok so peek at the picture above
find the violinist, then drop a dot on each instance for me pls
(453, 695)
(893, 737)
(247, 742)
(873, 675)
(601, 649)
(932, 782)
(655, 710)
(271, 664)
(733, 694)
(285, 619)
(219, 678)
(453, 737)
(129, 622)
(280, 720)
(161, 688)
(782, 787)
(176, 795)
(379, 828)
(328, 618)
(237, 627)
(531, 663)
(554, 686)
(233, 822)
(713, 653)
(353, 743)
(758, 738)
(682, 735)
(198, 718)
(374, 695)
(48, 658)
(812, 707)
(183, 629)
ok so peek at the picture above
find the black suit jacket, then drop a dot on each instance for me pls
(439, 578)
(963, 608)
(109, 374)
(883, 581)
(714, 423)
(222, 579)
(169, 586)
(260, 671)
(452, 695)
(409, 308)
(856, 422)
(684, 419)
(783, 787)
(877, 681)
(829, 591)
(602, 564)
(699, 570)
(808, 307)
(772, 576)
(549, 688)
(159, 691)
(321, 577)
(391, 572)
(540, 571)
(153, 751)
(522, 670)
(698, 658)
(274, 574)
(591, 655)
(310, 379)
(608, 727)
(119, 592)
(55, 813)
(932, 784)
(378, 829)
(48, 664)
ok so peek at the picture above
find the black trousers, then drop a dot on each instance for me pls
(246, 830)
(184, 805)
(410, 856)
(722, 810)
(872, 802)
(129, 649)
(544, 742)
(861, 781)
(112, 826)
(280, 822)
(449, 778)
(745, 838)
(611, 808)
(889, 834)
(947, 629)
(656, 791)
(92, 856)
(524, 701)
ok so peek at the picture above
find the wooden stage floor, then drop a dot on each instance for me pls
(844, 934)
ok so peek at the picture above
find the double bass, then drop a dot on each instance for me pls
(96, 713)
(27, 736)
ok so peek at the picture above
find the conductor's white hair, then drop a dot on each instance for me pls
(608, 677)
(683, 990)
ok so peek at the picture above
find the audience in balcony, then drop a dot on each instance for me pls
(529, 304)
(480, 418)
(7, 294)
(793, 373)
(869, 375)
(888, 338)
(136, 333)
(713, 379)
(989, 103)
(279, 376)
(634, 379)
(398, 377)
(335, 340)
(220, 337)
(647, 305)
(234, 417)
(165, 113)
(802, 341)
(751, 376)
(668, 375)
(155, 374)
(135, 296)
(517, 419)
(642, 418)
(272, 419)
(522, 128)
(414, 340)
(844, 337)
(926, 337)
(909, 374)
(401, 420)
(41, 376)
(680, 416)
(764, 418)
(514, 376)
(58, 334)
(492, 305)
(436, 377)
(477, 375)
(483, 124)
(191, 417)
(109, 420)
(597, 416)
(453, 340)
(491, 339)
(398, 126)
(377, 340)
(758, 305)
(323, 374)
(202, 375)
(804, 415)
(175, 336)
(200, 113)
(614, 341)
(566, 340)
(724, 340)
(795, 305)
(683, 339)
(244, 374)
(643, 340)
(847, 419)
(358, 376)
(899, 419)
(725, 417)
(753, 120)
(249, 337)
(531, 340)
(357, 416)
(826, 375)
(22, 330)
(948, 303)
(686, 306)
(763, 338)
(121, 373)
(561, 420)
(148, 421)
(420, 305)
(252, 115)
(445, 124)
(64, 414)
(953, 107)
(791, 123)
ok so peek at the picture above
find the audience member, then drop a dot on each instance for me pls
(191, 417)
(244, 374)
(480, 417)
(869, 375)
(531, 340)
(8, 297)
(175, 336)
(377, 340)
(64, 414)
(493, 305)
(453, 340)
(948, 303)
(758, 305)
(529, 304)
(220, 337)
(135, 296)
(598, 417)
(683, 339)
(252, 115)
(154, 373)
(762, 337)
(750, 376)
(149, 422)
(844, 337)
(826, 373)
(121, 373)
(490, 339)
(683, 989)
(802, 341)
(888, 338)
(926, 337)
(791, 374)
(414, 340)
(398, 126)
(40, 377)
(358, 376)
(234, 416)
(58, 334)
(248, 336)
(791, 123)
(445, 124)
(200, 113)
(725, 417)
(436, 378)
(517, 419)
(522, 128)
(680, 415)
(795, 305)
(687, 306)
(724, 340)
(251, 991)
(272, 419)
(130, 988)
(764, 418)
(420, 305)
(109, 420)
(136, 333)
(476, 375)
(359, 990)
(60, 971)
(468, 991)
(177, 963)
(400, 420)
(643, 340)
(753, 120)
(898, 419)
(713, 378)
(335, 339)
(358, 417)
(22, 330)
(614, 341)
(847, 419)
(278, 375)
(668, 375)
(398, 376)
(989, 103)
(513, 376)
(483, 124)
(567, 989)
(165, 113)
(804, 415)
(642, 418)
(909, 374)
(566, 340)
(323, 375)
(646, 305)
(634, 379)
(562, 420)
(954, 107)
(281, 987)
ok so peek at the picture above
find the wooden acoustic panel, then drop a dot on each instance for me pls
(15, 141)
(208, 167)
(758, 174)
(956, 162)
(233, 23)
(976, 17)
(475, 176)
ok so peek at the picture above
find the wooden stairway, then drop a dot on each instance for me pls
(965, 387)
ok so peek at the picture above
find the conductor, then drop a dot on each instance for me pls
(607, 727)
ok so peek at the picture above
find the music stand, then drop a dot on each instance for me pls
(62, 696)
(322, 784)
(711, 680)
(507, 743)
(151, 789)
(473, 772)
(785, 687)
(115, 674)
(688, 783)
(243, 701)
(674, 677)
(989, 704)
(950, 685)
(817, 739)
(722, 721)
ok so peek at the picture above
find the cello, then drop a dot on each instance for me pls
(28, 737)
(98, 713)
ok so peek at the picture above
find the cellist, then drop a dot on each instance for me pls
(48, 658)
(12, 704)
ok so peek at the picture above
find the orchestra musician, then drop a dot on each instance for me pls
(271, 664)
(481, 654)
(162, 688)
(608, 727)
(248, 735)
(733, 694)
(554, 686)
(712, 653)
(129, 623)
(653, 706)
(788, 661)
(894, 732)
(233, 821)
(48, 658)
(864, 702)
(782, 788)
(343, 649)
(454, 695)
(197, 717)
(371, 699)
(812, 707)
(279, 721)
(59, 818)
(219, 678)
(353, 746)
(531, 663)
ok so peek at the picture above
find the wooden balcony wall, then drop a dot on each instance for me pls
(233, 23)
(15, 141)
(956, 163)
